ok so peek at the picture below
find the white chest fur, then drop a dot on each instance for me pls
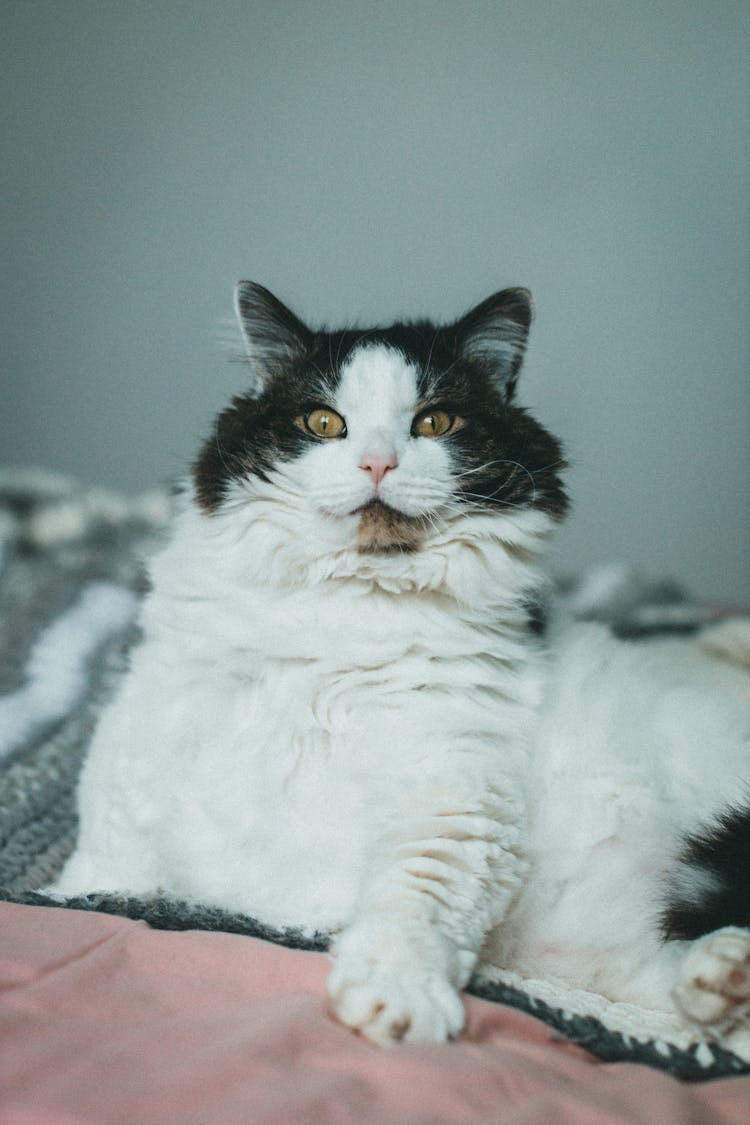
(269, 737)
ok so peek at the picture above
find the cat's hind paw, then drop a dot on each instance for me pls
(389, 1007)
(713, 988)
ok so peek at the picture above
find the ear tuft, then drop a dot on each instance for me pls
(273, 335)
(494, 334)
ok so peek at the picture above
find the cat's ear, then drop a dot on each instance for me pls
(273, 335)
(494, 334)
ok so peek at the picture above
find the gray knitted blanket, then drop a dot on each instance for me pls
(72, 570)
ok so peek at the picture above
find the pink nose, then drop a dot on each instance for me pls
(377, 465)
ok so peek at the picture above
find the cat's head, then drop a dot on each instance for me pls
(390, 432)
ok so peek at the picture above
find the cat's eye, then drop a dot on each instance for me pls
(435, 423)
(322, 422)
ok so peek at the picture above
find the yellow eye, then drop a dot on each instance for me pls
(435, 423)
(323, 423)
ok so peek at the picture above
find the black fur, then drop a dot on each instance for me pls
(723, 851)
(468, 368)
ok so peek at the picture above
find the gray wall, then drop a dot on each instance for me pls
(369, 160)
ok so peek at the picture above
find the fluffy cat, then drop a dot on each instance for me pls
(340, 717)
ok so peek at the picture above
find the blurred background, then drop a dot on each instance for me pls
(371, 160)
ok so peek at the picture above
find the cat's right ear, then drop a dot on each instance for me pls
(273, 335)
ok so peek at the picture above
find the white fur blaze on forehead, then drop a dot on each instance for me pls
(379, 380)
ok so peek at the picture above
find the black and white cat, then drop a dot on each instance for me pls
(339, 717)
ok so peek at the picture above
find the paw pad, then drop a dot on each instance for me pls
(714, 984)
(390, 1007)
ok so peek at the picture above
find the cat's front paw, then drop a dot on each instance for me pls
(714, 984)
(390, 1004)
(397, 978)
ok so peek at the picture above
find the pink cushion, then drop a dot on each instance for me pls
(105, 1020)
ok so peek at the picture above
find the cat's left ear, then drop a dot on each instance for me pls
(494, 334)
(274, 336)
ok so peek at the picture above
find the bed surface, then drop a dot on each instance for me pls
(133, 1011)
(103, 1019)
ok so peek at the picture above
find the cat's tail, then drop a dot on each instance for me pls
(710, 886)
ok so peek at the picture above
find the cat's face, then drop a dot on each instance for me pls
(390, 431)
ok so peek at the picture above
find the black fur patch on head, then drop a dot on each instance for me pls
(504, 458)
(254, 434)
(719, 856)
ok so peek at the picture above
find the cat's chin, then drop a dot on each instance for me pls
(385, 530)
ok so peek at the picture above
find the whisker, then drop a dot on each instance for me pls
(496, 499)
(324, 385)
(221, 451)
(478, 469)
(335, 366)
(427, 368)
(503, 461)
(498, 461)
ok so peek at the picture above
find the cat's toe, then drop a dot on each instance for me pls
(389, 1008)
(714, 984)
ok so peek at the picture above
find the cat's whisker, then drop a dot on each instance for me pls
(324, 384)
(220, 450)
(499, 461)
(335, 365)
(435, 521)
(428, 364)
(516, 466)
(482, 468)
(491, 496)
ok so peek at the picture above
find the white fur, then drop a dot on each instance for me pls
(638, 744)
(358, 742)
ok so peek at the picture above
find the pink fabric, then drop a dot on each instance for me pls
(104, 1020)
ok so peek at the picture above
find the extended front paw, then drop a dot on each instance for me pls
(714, 984)
(390, 1005)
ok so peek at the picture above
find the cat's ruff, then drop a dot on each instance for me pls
(342, 721)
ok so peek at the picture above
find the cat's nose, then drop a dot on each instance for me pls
(377, 465)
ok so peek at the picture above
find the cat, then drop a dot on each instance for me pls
(341, 717)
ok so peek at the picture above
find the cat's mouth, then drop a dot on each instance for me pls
(384, 530)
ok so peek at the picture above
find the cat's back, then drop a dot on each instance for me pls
(656, 710)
